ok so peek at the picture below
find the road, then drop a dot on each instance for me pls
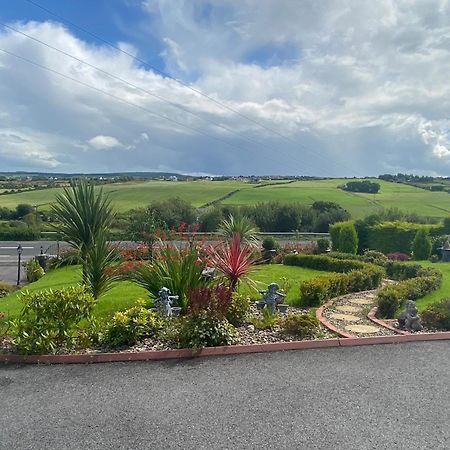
(374, 397)
(9, 257)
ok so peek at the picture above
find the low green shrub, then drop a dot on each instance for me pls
(317, 290)
(50, 319)
(202, 330)
(238, 309)
(324, 262)
(128, 327)
(437, 315)
(399, 271)
(269, 243)
(266, 321)
(323, 245)
(393, 297)
(5, 289)
(34, 271)
(300, 325)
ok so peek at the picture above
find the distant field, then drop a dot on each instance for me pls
(406, 198)
(137, 194)
(132, 195)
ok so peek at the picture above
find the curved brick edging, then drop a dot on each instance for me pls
(324, 321)
(218, 351)
(371, 316)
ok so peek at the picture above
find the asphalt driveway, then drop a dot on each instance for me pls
(375, 397)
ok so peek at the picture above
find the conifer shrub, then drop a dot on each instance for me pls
(421, 245)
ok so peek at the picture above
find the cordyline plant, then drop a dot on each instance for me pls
(235, 259)
(83, 217)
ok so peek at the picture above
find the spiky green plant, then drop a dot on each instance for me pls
(98, 264)
(179, 270)
(242, 226)
(83, 216)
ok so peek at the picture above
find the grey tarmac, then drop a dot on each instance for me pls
(393, 396)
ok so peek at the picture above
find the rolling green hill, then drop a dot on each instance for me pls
(137, 194)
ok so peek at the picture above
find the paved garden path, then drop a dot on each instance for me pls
(374, 397)
(348, 313)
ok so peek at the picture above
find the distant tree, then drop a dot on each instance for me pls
(362, 186)
(23, 209)
(173, 212)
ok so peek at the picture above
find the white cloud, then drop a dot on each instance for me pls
(104, 142)
(355, 87)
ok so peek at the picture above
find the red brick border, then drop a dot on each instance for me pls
(329, 325)
(218, 351)
(382, 323)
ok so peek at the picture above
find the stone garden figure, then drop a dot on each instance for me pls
(271, 297)
(165, 301)
(408, 319)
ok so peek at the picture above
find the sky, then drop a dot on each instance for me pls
(236, 87)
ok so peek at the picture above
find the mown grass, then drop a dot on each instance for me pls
(124, 294)
(442, 292)
(126, 196)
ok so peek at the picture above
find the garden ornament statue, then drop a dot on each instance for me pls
(272, 297)
(408, 319)
(165, 301)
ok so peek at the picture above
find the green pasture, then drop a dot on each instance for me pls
(130, 195)
(126, 196)
(124, 293)
(406, 198)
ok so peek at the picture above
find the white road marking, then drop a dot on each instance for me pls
(15, 248)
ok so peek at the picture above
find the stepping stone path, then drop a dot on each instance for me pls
(346, 317)
(348, 309)
(349, 314)
(364, 329)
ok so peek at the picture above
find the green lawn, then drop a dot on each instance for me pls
(124, 294)
(444, 290)
(121, 296)
(266, 274)
(126, 196)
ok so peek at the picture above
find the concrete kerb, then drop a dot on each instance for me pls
(219, 351)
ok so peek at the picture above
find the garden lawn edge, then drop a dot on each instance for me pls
(218, 351)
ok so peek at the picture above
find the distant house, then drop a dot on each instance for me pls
(173, 178)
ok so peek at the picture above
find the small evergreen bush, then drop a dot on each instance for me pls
(437, 315)
(50, 319)
(34, 271)
(421, 246)
(300, 325)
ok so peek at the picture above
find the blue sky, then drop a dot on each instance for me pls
(328, 87)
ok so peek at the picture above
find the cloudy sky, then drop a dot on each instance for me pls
(315, 87)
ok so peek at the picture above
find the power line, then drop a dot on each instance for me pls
(41, 66)
(177, 105)
(197, 91)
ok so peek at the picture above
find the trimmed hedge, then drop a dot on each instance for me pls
(322, 262)
(316, 291)
(394, 296)
(389, 237)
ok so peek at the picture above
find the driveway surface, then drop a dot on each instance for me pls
(374, 397)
